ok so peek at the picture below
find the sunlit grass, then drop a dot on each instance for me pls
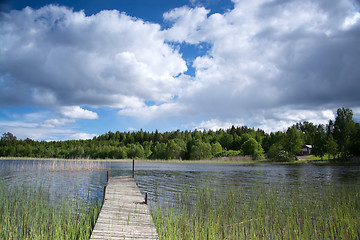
(27, 212)
(266, 212)
(313, 157)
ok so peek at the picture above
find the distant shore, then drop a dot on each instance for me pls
(241, 160)
(247, 161)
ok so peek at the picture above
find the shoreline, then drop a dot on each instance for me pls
(130, 160)
(204, 161)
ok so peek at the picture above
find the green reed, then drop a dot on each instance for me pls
(262, 212)
(27, 212)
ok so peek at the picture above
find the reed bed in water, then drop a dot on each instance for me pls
(82, 165)
(28, 213)
(54, 165)
(266, 212)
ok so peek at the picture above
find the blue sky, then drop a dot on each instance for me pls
(77, 69)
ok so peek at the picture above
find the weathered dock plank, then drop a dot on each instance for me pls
(124, 214)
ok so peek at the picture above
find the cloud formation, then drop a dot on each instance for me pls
(54, 56)
(78, 112)
(271, 59)
(49, 129)
(268, 64)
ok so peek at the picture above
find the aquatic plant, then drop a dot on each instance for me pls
(53, 165)
(261, 212)
(28, 212)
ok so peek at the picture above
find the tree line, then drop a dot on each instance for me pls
(339, 138)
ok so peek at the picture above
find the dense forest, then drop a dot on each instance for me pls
(339, 139)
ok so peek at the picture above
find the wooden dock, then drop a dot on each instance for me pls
(124, 215)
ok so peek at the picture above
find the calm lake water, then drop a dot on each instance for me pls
(163, 180)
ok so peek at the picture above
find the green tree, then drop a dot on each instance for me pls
(331, 146)
(355, 140)
(253, 148)
(226, 141)
(277, 153)
(308, 129)
(135, 151)
(237, 142)
(320, 142)
(147, 148)
(120, 153)
(343, 127)
(175, 149)
(245, 137)
(8, 137)
(200, 150)
(160, 151)
(216, 148)
(292, 141)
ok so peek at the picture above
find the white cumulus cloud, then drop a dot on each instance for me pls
(267, 64)
(269, 57)
(82, 136)
(54, 56)
(216, 124)
(186, 23)
(54, 122)
(78, 112)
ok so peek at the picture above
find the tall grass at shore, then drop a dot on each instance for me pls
(54, 165)
(265, 212)
(26, 212)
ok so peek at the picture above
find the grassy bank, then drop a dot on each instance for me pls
(28, 213)
(267, 212)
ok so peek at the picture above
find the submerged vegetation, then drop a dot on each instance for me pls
(340, 138)
(28, 212)
(262, 212)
